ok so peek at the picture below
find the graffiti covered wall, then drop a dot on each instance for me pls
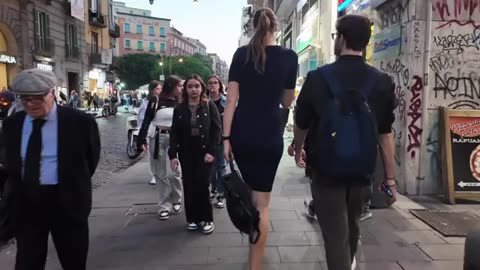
(453, 79)
(398, 45)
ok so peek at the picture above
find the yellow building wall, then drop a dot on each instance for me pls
(3, 43)
(103, 33)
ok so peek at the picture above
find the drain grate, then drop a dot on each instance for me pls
(448, 223)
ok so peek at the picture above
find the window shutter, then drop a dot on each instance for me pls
(47, 26)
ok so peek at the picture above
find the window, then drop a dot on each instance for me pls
(162, 32)
(71, 41)
(127, 44)
(163, 47)
(94, 43)
(144, 14)
(151, 31)
(152, 46)
(127, 28)
(140, 45)
(42, 26)
(94, 5)
(139, 28)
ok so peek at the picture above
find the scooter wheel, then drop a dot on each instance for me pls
(105, 113)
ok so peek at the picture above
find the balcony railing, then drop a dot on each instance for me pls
(95, 59)
(72, 51)
(44, 46)
(97, 19)
(115, 31)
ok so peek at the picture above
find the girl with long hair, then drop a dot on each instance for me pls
(265, 74)
(217, 95)
(195, 133)
(158, 122)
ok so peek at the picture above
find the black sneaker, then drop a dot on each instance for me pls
(309, 210)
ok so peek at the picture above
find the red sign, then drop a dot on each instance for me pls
(341, 2)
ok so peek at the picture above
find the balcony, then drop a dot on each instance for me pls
(72, 51)
(115, 31)
(96, 19)
(44, 46)
(95, 59)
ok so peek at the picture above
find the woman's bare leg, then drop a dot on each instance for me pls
(262, 200)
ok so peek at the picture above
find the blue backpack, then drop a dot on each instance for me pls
(346, 143)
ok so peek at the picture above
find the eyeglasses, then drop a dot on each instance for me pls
(36, 99)
(213, 82)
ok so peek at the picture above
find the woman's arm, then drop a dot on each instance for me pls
(174, 135)
(232, 99)
(215, 128)
(148, 118)
(289, 92)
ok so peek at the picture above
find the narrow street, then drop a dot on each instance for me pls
(113, 159)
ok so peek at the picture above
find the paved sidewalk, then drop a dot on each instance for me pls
(126, 234)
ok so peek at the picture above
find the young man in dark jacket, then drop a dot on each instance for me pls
(338, 204)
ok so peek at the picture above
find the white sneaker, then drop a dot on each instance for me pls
(354, 263)
(163, 215)
(177, 207)
(366, 215)
(208, 227)
(192, 226)
(153, 181)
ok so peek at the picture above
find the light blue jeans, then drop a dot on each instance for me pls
(217, 177)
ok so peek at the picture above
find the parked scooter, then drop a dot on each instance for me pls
(110, 107)
(132, 134)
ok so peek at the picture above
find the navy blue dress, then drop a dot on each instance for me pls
(256, 135)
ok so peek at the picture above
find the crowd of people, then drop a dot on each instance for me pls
(191, 129)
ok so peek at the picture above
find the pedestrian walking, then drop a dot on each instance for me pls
(96, 100)
(73, 99)
(264, 75)
(195, 134)
(351, 118)
(217, 95)
(158, 119)
(49, 179)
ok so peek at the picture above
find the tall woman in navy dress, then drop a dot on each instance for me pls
(262, 76)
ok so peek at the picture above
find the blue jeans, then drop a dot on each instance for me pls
(217, 177)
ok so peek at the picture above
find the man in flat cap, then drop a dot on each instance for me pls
(52, 152)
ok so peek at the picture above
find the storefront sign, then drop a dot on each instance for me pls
(7, 59)
(462, 155)
(44, 66)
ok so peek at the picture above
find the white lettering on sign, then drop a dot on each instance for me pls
(7, 59)
(44, 67)
(455, 140)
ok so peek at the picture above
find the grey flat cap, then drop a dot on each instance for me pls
(33, 82)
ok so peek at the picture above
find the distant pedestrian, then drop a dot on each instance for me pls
(195, 134)
(96, 100)
(49, 180)
(264, 75)
(158, 122)
(352, 117)
(74, 99)
(217, 95)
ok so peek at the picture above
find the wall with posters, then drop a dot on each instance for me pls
(446, 76)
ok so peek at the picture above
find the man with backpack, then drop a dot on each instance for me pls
(347, 108)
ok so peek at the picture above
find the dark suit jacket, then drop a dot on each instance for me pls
(78, 156)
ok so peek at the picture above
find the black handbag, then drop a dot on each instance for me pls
(242, 211)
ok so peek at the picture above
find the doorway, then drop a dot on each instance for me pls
(73, 82)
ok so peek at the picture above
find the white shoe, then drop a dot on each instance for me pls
(153, 181)
(177, 207)
(192, 226)
(208, 227)
(163, 215)
(354, 263)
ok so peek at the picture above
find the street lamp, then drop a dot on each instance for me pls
(122, 85)
(161, 64)
(180, 60)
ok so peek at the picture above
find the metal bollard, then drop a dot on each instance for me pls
(471, 260)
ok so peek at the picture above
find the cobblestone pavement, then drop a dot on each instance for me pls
(114, 159)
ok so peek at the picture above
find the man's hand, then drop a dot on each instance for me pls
(145, 147)
(300, 158)
(291, 150)
(390, 183)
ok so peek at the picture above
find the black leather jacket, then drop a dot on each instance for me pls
(208, 123)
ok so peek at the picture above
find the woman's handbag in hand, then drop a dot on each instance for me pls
(241, 210)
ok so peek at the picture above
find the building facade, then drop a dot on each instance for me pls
(200, 48)
(219, 67)
(180, 44)
(42, 34)
(140, 32)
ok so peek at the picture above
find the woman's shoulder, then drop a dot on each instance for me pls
(287, 53)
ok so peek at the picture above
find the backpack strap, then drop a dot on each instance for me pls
(335, 88)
